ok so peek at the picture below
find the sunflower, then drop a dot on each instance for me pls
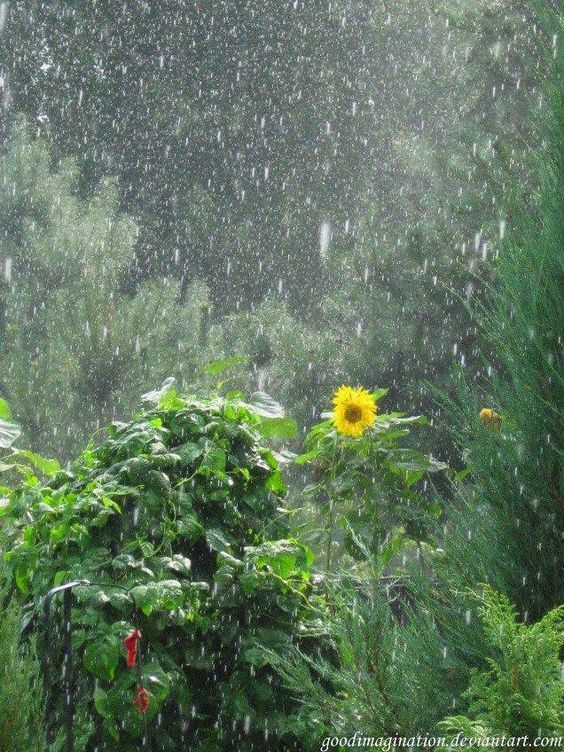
(355, 410)
(489, 418)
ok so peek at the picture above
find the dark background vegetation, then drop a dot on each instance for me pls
(318, 183)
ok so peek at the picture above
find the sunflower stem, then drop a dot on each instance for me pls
(332, 508)
(330, 535)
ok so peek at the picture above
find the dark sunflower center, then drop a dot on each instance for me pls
(353, 413)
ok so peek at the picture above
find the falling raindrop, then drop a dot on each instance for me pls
(8, 267)
(324, 239)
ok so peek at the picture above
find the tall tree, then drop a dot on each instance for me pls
(76, 347)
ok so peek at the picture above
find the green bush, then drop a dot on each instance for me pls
(521, 693)
(395, 668)
(507, 517)
(382, 677)
(176, 521)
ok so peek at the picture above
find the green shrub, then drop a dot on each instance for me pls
(521, 693)
(176, 521)
(382, 678)
(391, 675)
(507, 518)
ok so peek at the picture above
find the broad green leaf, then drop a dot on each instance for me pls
(171, 595)
(101, 702)
(399, 419)
(214, 460)
(23, 577)
(101, 658)
(265, 646)
(120, 601)
(59, 577)
(262, 404)
(156, 681)
(283, 563)
(189, 452)
(5, 412)
(189, 526)
(47, 467)
(155, 395)
(170, 400)
(461, 474)
(379, 393)
(218, 366)
(217, 540)
(146, 597)
(275, 483)
(178, 563)
(356, 540)
(283, 557)
(9, 432)
(284, 456)
(303, 459)
(413, 476)
(282, 428)
(234, 395)
(24, 470)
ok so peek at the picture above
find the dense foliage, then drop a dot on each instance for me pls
(521, 693)
(513, 507)
(176, 521)
(399, 677)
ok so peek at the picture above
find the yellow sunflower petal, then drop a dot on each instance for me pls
(354, 410)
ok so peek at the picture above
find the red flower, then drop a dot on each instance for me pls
(142, 700)
(130, 643)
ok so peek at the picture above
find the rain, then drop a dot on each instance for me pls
(280, 375)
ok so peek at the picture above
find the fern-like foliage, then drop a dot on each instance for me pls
(520, 693)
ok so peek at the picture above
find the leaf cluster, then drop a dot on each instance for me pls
(176, 520)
